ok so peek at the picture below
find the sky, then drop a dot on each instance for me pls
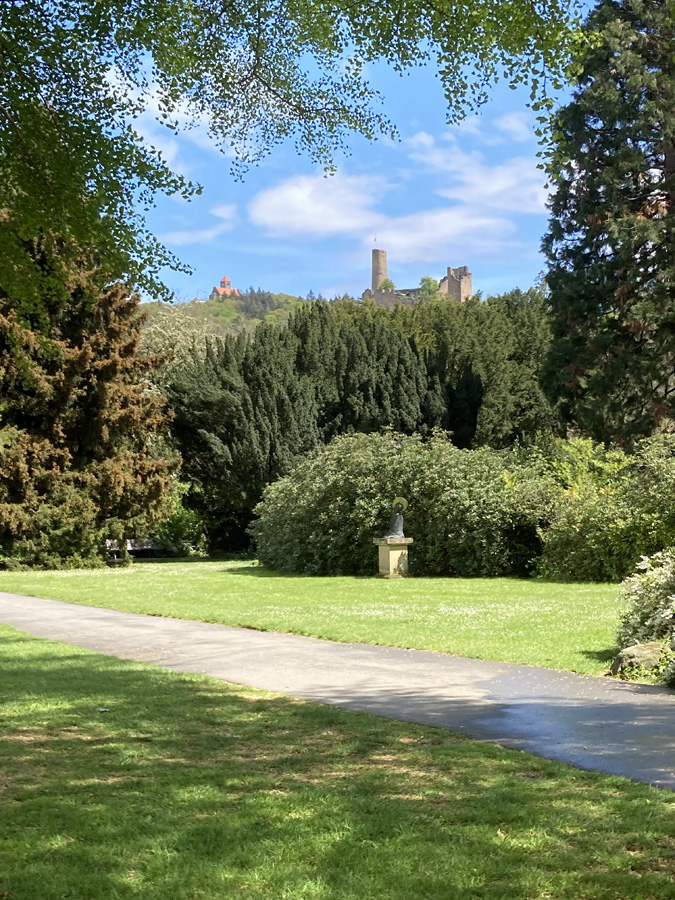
(469, 194)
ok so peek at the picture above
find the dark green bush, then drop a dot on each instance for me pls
(472, 512)
(573, 510)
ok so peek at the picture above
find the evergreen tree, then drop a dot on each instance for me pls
(529, 318)
(250, 408)
(212, 428)
(81, 453)
(611, 240)
(380, 377)
(317, 334)
(282, 402)
(256, 304)
(244, 415)
(483, 362)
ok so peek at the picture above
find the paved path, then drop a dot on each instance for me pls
(594, 723)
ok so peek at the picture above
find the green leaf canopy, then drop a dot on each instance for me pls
(76, 75)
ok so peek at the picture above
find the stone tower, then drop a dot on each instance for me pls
(458, 283)
(379, 268)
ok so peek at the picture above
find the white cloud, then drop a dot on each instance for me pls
(449, 235)
(515, 185)
(191, 236)
(423, 148)
(317, 207)
(517, 125)
(177, 146)
(164, 144)
(478, 219)
(226, 212)
(470, 125)
(191, 123)
(514, 126)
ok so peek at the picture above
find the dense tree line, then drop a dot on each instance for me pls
(247, 409)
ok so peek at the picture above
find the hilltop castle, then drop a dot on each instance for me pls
(458, 283)
(225, 289)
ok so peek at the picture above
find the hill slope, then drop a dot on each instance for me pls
(225, 315)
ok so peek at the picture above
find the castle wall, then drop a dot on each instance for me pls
(390, 299)
(458, 283)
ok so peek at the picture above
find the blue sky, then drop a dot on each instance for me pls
(441, 196)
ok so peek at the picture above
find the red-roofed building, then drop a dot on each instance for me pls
(225, 289)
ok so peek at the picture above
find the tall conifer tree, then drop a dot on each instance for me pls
(81, 455)
(611, 241)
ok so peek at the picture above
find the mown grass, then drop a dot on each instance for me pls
(122, 780)
(564, 626)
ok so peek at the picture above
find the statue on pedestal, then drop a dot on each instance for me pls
(393, 547)
(399, 506)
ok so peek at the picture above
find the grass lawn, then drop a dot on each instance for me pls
(564, 626)
(122, 780)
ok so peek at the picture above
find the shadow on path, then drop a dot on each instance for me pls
(595, 723)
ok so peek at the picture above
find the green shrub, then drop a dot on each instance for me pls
(592, 512)
(595, 535)
(649, 598)
(668, 676)
(472, 512)
(615, 508)
(182, 533)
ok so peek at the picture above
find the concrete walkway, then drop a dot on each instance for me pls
(594, 723)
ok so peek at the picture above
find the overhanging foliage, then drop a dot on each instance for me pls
(76, 75)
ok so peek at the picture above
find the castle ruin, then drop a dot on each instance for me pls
(457, 283)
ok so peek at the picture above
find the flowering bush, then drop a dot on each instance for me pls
(649, 596)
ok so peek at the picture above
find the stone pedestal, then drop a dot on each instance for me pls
(393, 552)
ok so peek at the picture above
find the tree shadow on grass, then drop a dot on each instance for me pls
(259, 571)
(161, 560)
(123, 780)
(601, 655)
